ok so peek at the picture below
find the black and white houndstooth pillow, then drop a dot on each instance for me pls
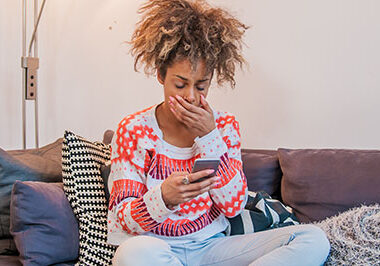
(84, 188)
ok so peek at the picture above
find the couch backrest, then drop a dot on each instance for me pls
(319, 183)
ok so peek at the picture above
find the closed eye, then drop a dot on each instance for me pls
(179, 86)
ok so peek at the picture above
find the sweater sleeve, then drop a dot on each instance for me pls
(230, 196)
(136, 209)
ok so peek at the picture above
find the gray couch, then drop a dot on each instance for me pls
(316, 183)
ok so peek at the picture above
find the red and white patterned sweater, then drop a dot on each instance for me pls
(141, 160)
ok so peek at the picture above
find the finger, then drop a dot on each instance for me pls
(198, 186)
(177, 115)
(182, 108)
(205, 104)
(182, 111)
(188, 106)
(194, 193)
(178, 176)
(183, 180)
(203, 173)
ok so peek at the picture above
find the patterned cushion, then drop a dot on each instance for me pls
(260, 213)
(354, 236)
(83, 185)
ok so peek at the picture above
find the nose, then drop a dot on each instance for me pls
(190, 95)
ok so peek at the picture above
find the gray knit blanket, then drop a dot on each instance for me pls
(354, 236)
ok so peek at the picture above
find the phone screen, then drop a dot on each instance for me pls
(203, 164)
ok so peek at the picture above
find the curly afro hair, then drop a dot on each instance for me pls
(172, 30)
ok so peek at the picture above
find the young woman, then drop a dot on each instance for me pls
(158, 213)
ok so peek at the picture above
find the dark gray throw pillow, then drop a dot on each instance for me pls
(262, 171)
(43, 164)
(43, 224)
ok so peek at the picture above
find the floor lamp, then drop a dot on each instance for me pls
(30, 64)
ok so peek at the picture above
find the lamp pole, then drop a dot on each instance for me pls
(30, 65)
(23, 74)
(36, 21)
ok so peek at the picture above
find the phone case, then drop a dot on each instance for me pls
(203, 164)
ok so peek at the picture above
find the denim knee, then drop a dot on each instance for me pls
(141, 250)
(318, 239)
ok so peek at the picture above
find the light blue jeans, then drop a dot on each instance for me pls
(292, 245)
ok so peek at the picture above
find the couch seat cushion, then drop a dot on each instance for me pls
(10, 261)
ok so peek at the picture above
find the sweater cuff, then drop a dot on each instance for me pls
(211, 145)
(156, 205)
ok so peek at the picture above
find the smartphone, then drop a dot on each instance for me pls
(203, 164)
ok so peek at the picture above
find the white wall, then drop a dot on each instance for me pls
(313, 79)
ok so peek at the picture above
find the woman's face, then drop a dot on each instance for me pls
(182, 80)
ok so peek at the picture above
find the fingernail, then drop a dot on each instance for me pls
(178, 97)
(210, 171)
(171, 98)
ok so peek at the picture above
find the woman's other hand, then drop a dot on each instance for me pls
(199, 120)
(176, 190)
